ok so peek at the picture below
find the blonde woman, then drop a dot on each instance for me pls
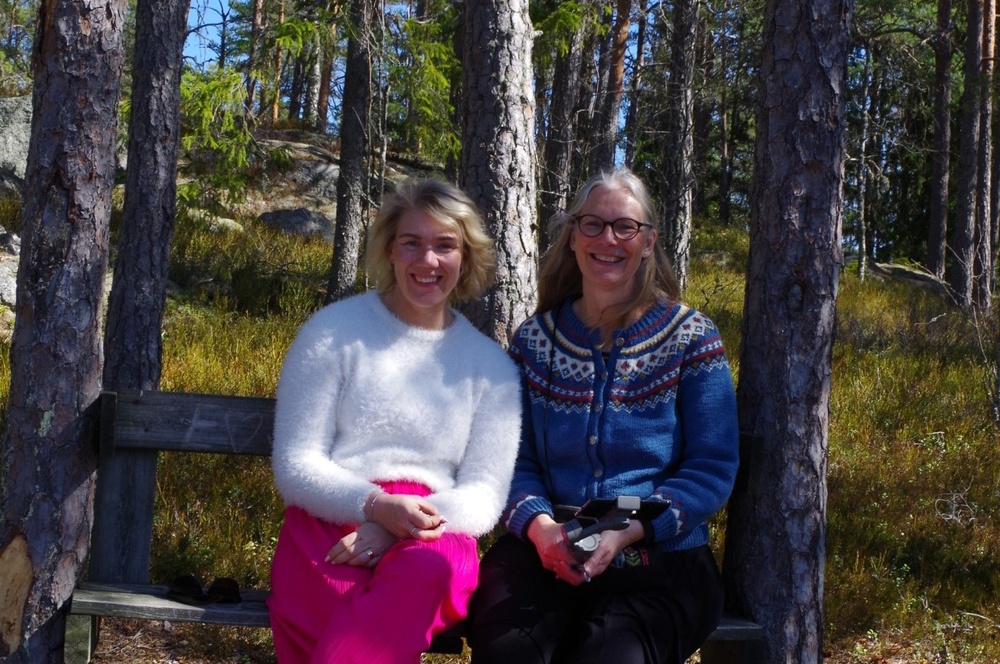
(396, 430)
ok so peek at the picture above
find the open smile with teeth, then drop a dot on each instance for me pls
(604, 258)
(426, 280)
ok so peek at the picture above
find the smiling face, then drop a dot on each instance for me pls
(609, 265)
(426, 258)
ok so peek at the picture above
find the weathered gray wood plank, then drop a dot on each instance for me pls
(737, 629)
(152, 603)
(188, 422)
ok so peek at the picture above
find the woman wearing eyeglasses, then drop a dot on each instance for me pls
(627, 392)
(395, 434)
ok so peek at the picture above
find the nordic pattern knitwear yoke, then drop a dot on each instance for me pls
(655, 417)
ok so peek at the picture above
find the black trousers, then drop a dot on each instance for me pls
(658, 611)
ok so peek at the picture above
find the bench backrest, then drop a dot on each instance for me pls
(135, 426)
(185, 422)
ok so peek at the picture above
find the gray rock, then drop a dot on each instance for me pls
(8, 281)
(318, 178)
(300, 221)
(15, 133)
(225, 225)
(11, 185)
(10, 243)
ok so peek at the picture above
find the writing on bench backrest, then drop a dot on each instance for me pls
(239, 429)
(177, 421)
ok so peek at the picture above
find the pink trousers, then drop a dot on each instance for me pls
(324, 613)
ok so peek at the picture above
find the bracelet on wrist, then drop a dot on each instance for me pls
(371, 506)
(368, 509)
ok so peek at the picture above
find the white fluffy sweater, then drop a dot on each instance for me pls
(363, 396)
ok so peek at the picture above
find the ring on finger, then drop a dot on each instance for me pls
(371, 554)
(413, 529)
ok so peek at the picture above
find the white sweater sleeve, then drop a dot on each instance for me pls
(305, 423)
(473, 505)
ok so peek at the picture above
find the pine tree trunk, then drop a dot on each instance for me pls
(725, 160)
(133, 339)
(56, 356)
(602, 158)
(941, 152)
(252, 57)
(325, 85)
(861, 227)
(275, 85)
(960, 271)
(498, 154)
(558, 163)
(984, 174)
(351, 183)
(679, 152)
(775, 533)
(315, 61)
(637, 71)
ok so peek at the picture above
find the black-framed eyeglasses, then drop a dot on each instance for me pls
(624, 228)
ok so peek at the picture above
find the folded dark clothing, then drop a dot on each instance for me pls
(224, 591)
(188, 590)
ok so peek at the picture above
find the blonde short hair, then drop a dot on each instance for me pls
(450, 207)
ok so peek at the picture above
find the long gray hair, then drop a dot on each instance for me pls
(560, 277)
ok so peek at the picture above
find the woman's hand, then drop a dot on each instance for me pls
(611, 544)
(549, 538)
(363, 548)
(407, 516)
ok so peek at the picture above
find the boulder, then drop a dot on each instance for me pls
(300, 221)
(15, 133)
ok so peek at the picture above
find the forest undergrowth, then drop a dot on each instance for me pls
(913, 541)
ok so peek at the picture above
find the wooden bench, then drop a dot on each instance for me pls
(137, 425)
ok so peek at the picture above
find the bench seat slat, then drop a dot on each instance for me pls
(732, 628)
(152, 603)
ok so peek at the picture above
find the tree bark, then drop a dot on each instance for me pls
(56, 356)
(984, 173)
(960, 271)
(602, 158)
(274, 86)
(351, 183)
(256, 24)
(679, 152)
(941, 150)
(325, 86)
(867, 106)
(775, 533)
(498, 154)
(637, 70)
(725, 158)
(313, 76)
(558, 163)
(133, 339)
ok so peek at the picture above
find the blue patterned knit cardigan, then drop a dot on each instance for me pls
(654, 417)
